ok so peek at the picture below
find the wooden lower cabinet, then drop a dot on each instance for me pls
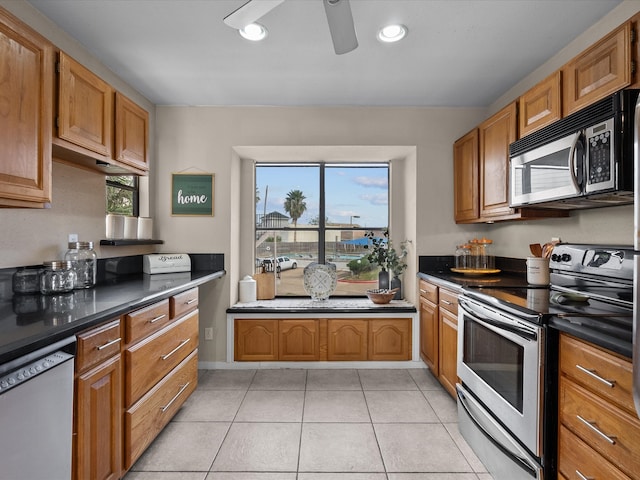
(429, 335)
(599, 429)
(322, 339)
(448, 355)
(98, 439)
(347, 339)
(299, 340)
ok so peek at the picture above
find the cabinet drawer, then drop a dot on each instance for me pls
(98, 344)
(148, 417)
(184, 302)
(151, 359)
(449, 301)
(429, 291)
(607, 429)
(578, 461)
(146, 321)
(608, 375)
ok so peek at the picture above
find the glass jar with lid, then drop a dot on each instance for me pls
(26, 280)
(463, 256)
(57, 277)
(84, 262)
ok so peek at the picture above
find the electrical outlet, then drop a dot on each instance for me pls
(73, 237)
(208, 333)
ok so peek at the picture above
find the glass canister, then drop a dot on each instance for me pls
(482, 254)
(26, 280)
(84, 262)
(57, 277)
(463, 255)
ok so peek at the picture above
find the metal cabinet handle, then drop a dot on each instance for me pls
(189, 302)
(446, 302)
(423, 291)
(592, 372)
(592, 425)
(184, 342)
(108, 344)
(182, 389)
(584, 477)
(159, 317)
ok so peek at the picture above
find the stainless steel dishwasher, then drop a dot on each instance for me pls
(36, 414)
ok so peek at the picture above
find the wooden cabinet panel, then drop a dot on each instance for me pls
(145, 321)
(183, 302)
(299, 340)
(599, 71)
(347, 339)
(98, 344)
(98, 429)
(466, 188)
(541, 105)
(390, 339)
(26, 83)
(85, 108)
(448, 301)
(610, 431)
(495, 134)
(429, 340)
(144, 420)
(589, 366)
(131, 133)
(429, 291)
(448, 358)
(151, 359)
(578, 461)
(256, 340)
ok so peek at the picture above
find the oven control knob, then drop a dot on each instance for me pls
(555, 257)
(566, 257)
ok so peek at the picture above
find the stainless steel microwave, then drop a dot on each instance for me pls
(584, 160)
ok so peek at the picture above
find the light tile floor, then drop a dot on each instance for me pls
(292, 424)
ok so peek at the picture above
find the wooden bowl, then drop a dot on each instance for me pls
(381, 295)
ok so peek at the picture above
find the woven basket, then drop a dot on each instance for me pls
(381, 295)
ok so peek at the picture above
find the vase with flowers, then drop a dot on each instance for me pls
(383, 254)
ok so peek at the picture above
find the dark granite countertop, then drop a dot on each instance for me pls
(30, 322)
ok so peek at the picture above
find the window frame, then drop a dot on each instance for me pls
(135, 189)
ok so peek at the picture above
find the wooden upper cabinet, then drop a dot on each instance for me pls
(465, 178)
(26, 83)
(131, 133)
(541, 105)
(601, 70)
(85, 107)
(495, 134)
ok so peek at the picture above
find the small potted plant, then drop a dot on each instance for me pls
(387, 258)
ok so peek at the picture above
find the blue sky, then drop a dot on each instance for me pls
(361, 191)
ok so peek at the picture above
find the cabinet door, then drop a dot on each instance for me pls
(466, 203)
(346, 339)
(256, 340)
(131, 133)
(599, 71)
(429, 335)
(98, 439)
(299, 340)
(541, 105)
(496, 133)
(390, 339)
(448, 329)
(26, 83)
(85, 108)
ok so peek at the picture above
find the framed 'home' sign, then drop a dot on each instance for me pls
(192, 194)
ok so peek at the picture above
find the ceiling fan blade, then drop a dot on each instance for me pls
(250, 12)
(343, 31)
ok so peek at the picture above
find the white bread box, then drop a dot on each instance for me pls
(166, 263)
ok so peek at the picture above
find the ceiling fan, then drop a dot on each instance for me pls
(339, 17)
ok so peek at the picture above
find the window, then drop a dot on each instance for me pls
(319, 212)
(122, 195)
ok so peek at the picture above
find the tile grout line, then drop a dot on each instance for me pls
(304, 401)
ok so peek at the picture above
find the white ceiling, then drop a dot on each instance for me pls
(457, 53)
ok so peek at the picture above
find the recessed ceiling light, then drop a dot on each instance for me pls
(392, 33)
(254, 32)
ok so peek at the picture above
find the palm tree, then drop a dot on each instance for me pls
(295, 206)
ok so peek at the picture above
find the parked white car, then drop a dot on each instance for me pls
(283, 263)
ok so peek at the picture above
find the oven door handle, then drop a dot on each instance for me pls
(520, 461)
(495, 320)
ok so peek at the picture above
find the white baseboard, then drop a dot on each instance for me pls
(308, 365)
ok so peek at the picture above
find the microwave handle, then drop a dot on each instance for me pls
(572, 162)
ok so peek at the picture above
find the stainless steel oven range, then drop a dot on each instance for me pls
(507, 355)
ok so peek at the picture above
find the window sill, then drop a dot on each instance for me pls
(123, 242)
